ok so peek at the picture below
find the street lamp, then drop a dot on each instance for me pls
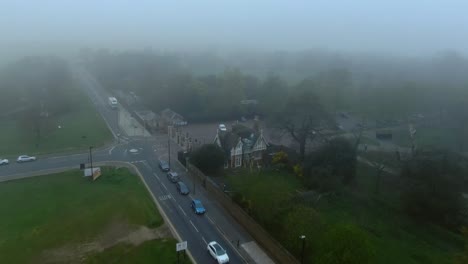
(303, 246)
(169, 150)
(91, 159)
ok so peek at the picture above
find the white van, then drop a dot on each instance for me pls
(113, 102)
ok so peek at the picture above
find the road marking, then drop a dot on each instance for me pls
(110, 150)
(194, 226)
(156, 176)
(73, 155)
(146, 164)
(182, 210)
(164, 197)
(211, 220)
(204, 240)
(164, 186)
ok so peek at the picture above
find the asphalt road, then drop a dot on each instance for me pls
(197, 230)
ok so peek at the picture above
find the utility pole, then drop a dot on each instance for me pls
(91, 160)
(169, 149)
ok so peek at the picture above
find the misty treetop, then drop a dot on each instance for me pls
(209, 87)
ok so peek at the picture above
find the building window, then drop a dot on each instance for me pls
(238, 161)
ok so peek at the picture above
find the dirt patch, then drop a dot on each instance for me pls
(117, 232)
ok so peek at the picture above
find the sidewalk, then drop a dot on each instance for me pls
(130, 125)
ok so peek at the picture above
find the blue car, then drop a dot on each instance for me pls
(197, 207)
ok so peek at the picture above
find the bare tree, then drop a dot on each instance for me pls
(303, 118)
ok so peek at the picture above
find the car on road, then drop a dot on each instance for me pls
(222, 127)
(25, 158)
(164, 166)
(197, 206)
(182, 188)
(218, 252)
(173, 176)
(4, 161)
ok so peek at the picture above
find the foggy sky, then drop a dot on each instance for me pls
(407, 27)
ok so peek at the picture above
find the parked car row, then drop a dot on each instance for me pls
(213, 248)
(20, 159)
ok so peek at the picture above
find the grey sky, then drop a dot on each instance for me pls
(393, 26)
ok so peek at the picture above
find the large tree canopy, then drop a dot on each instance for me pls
(209, 158)
(434, 181)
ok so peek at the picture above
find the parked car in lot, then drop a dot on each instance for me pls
(217, 252)
(4, 161)
(222, 127)
(197, 206)
(182, 188)
(25, 158)
(164, 166)
(173, 176)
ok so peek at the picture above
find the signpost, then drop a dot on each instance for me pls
(179, 247)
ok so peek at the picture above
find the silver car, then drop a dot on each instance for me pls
(4, 161)
(25, 158)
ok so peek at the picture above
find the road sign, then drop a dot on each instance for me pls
(181, 246)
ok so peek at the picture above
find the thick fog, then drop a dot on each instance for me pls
(419, 27)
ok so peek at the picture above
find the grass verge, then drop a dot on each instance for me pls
(60, 214)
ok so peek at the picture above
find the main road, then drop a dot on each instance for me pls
(197, 230)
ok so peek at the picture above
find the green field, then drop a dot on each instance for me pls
(395, 237)
(80, 128)
(154, 251)
(64, 217)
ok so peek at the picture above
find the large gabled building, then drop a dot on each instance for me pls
(242, 146)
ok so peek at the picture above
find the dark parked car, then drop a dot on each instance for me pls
(197, 207)
(164, 166)
(182, 188)
(173, 176)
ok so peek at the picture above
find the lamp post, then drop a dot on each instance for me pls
(303, 246)
(194, 177)
(91, 159)
(169, 150)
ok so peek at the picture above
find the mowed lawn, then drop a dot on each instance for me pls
(48, 218)
(395, 237)
(80, 128)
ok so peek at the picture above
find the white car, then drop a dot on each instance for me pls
(25, 158)
(222, 127)
(217, 252)
(4, 161)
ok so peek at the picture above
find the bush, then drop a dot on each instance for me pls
(345, 244)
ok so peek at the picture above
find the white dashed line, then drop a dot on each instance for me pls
(204, 240)
(156, 176)
(164, 186)
(182, 210)
(194, 226)
(211, 220)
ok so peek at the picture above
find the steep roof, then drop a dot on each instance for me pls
(171, 115)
